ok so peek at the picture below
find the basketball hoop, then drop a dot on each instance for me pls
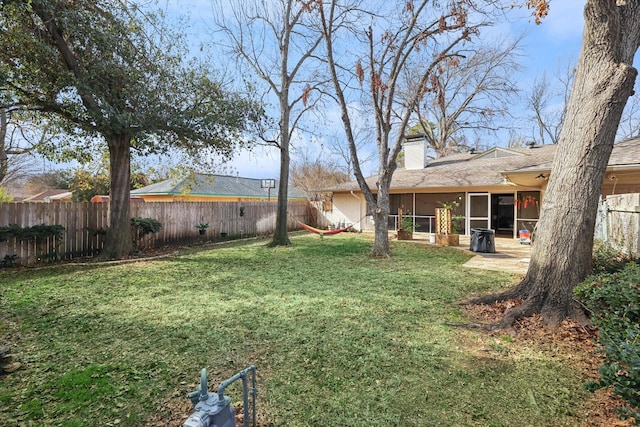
(268, 183)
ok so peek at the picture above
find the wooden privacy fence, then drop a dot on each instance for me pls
(84, 224)
(619, 222)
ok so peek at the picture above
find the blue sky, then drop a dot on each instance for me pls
(547, 46)
(556, 40)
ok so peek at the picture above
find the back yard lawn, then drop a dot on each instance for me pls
(338, 339)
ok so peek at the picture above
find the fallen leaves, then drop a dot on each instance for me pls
(570, 340)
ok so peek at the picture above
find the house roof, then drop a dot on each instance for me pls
(214, 185)
(624, 154)
(464, 169)
(491, 168)
(49, 195)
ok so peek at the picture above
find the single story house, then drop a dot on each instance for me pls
(500, 188)
(214, 188)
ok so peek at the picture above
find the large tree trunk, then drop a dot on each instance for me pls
(281, 233)
(380, 213)
(381, 217)
(561, 255)
(118, 243)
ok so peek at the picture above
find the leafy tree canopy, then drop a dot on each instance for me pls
(92, 179)
(5, 197)
(105, 67)
(107, 71)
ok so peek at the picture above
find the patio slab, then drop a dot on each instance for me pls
(510, 255)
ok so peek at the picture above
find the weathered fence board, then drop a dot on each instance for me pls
(620, 222)
(85, 223)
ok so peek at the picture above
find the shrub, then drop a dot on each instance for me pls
(607, 259)
(143, 227)
(614, 301)
(36, 232)
(8, 261)
(407, 224)
(97, 231)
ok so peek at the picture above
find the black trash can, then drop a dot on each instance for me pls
(482, 240)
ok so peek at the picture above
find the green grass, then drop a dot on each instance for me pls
(338, 339)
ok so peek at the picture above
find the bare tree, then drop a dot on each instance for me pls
(516, 140)
(537, 103)
(604, 80)
(410, 31)
(630, 122)
(468, 93)
(18, 142)
(277, 41)
(312, 175)
(548, 121)
(339, 149)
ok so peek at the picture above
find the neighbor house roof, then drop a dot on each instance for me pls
(49, 196)
(490, 168)
(214, 186)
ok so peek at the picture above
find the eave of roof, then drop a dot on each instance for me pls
(462, 170)
(477, 171)
(192, 194)
(53, 194)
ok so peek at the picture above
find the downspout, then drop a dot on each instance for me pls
(359, 208)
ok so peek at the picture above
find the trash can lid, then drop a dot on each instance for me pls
(482, 230)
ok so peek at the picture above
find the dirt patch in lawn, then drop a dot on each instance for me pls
(571, 341)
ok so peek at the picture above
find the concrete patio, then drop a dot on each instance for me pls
(510, 255)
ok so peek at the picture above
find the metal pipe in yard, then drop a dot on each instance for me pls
(204, 393)
(213, 409)
(242, 374)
